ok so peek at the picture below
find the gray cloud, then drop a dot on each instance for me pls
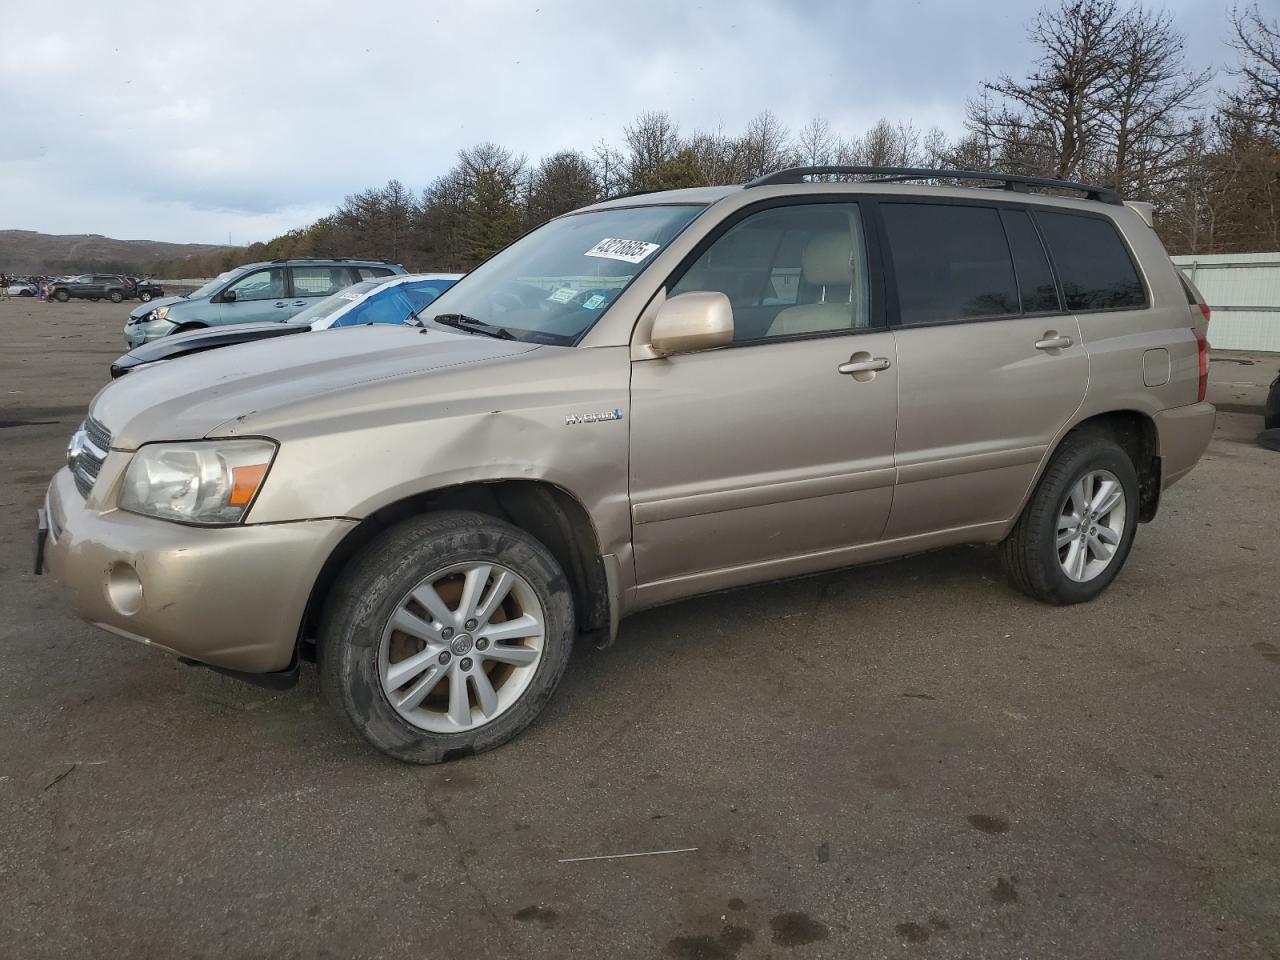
(177, 122)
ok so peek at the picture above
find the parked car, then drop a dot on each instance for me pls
(147, 290)
(1271, 415)
(22, 289)
(91, 286)
(257, 292)
(392, 299)
(642, 400)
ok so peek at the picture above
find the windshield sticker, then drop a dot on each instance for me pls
(563, 295)
(593, 302)
(631, 251)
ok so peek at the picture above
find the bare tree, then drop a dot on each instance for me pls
(764, 147)
(562, 182)
(609, 167)
(884, 145)
(716, 157)
(651, 139)
(816, 145)
(1150, 96)
(1063, 104)
(1257, 42)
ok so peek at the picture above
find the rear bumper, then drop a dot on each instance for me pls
(1183, 435)
(232, 597)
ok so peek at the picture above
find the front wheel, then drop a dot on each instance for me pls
(446, 636)
(144, 297)
(1076, 532)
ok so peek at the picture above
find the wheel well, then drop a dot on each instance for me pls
(192, 325)
(1136, 434)
(541, 509)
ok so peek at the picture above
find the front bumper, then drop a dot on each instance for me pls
(1183, 434)
(232, 597)
(136, 334)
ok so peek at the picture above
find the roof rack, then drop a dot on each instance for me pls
(330, 259)
(1009, 181)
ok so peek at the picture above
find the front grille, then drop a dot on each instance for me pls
(99, 435)
(90, 453)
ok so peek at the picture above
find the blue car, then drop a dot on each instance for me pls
(392, 299)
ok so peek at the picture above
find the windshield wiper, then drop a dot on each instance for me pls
(413, 318)
(460, 321)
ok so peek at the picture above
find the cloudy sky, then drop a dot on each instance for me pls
(186, 121)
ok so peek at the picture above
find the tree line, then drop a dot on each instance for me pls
(1109, 100)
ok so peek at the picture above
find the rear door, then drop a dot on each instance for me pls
(990, 366)
(310, 284)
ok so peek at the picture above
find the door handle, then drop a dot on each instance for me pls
(280, 303)
(864, 366)
(1054, 343)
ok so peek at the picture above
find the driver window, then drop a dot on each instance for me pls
(260, 285)
(789, 271)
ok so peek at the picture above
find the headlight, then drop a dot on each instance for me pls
(159, 313)
(207, 482)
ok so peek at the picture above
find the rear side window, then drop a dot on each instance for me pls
(952, 262)
(1093, 264)
(320, 281)
(369, 273)
(1035, 279)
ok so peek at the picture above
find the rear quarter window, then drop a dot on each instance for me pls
(1093, 263)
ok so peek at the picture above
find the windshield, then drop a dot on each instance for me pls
(335, 302)
(212, 285)
(551, 285)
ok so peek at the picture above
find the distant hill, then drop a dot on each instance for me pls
(28, 252)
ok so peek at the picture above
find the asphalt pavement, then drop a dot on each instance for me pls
(902, 760)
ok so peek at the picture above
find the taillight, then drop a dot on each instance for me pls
(1205, 311)
(1202, 353)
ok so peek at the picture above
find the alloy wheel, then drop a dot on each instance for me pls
(1091, 525)
(461, 647)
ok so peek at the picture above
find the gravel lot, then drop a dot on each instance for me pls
(903, 760)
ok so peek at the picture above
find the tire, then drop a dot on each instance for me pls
(357, 638)
(1031, 555)
(115, 296)
(145, 297)
(62, 296)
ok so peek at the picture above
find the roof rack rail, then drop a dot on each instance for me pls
(1010, 181)
(331, 259)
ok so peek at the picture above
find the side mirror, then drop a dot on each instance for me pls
(693, 321)
(228, 296)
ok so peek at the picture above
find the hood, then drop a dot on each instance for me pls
(197, 341)
(138, 312)
(249, 381)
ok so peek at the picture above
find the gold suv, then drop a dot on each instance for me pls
(649, 398)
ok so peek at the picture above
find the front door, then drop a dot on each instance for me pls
(990, 367)
(765, 457)
(258, 296)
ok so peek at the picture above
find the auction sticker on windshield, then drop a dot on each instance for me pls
(632, 251)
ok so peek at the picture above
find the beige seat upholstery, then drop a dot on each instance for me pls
(827, 262)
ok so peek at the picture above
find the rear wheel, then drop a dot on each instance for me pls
(1076, 532)
(62, 296)
(115, 296)
(145, 296)
(446, 636)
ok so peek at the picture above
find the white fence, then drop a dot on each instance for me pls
(1243, 290)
